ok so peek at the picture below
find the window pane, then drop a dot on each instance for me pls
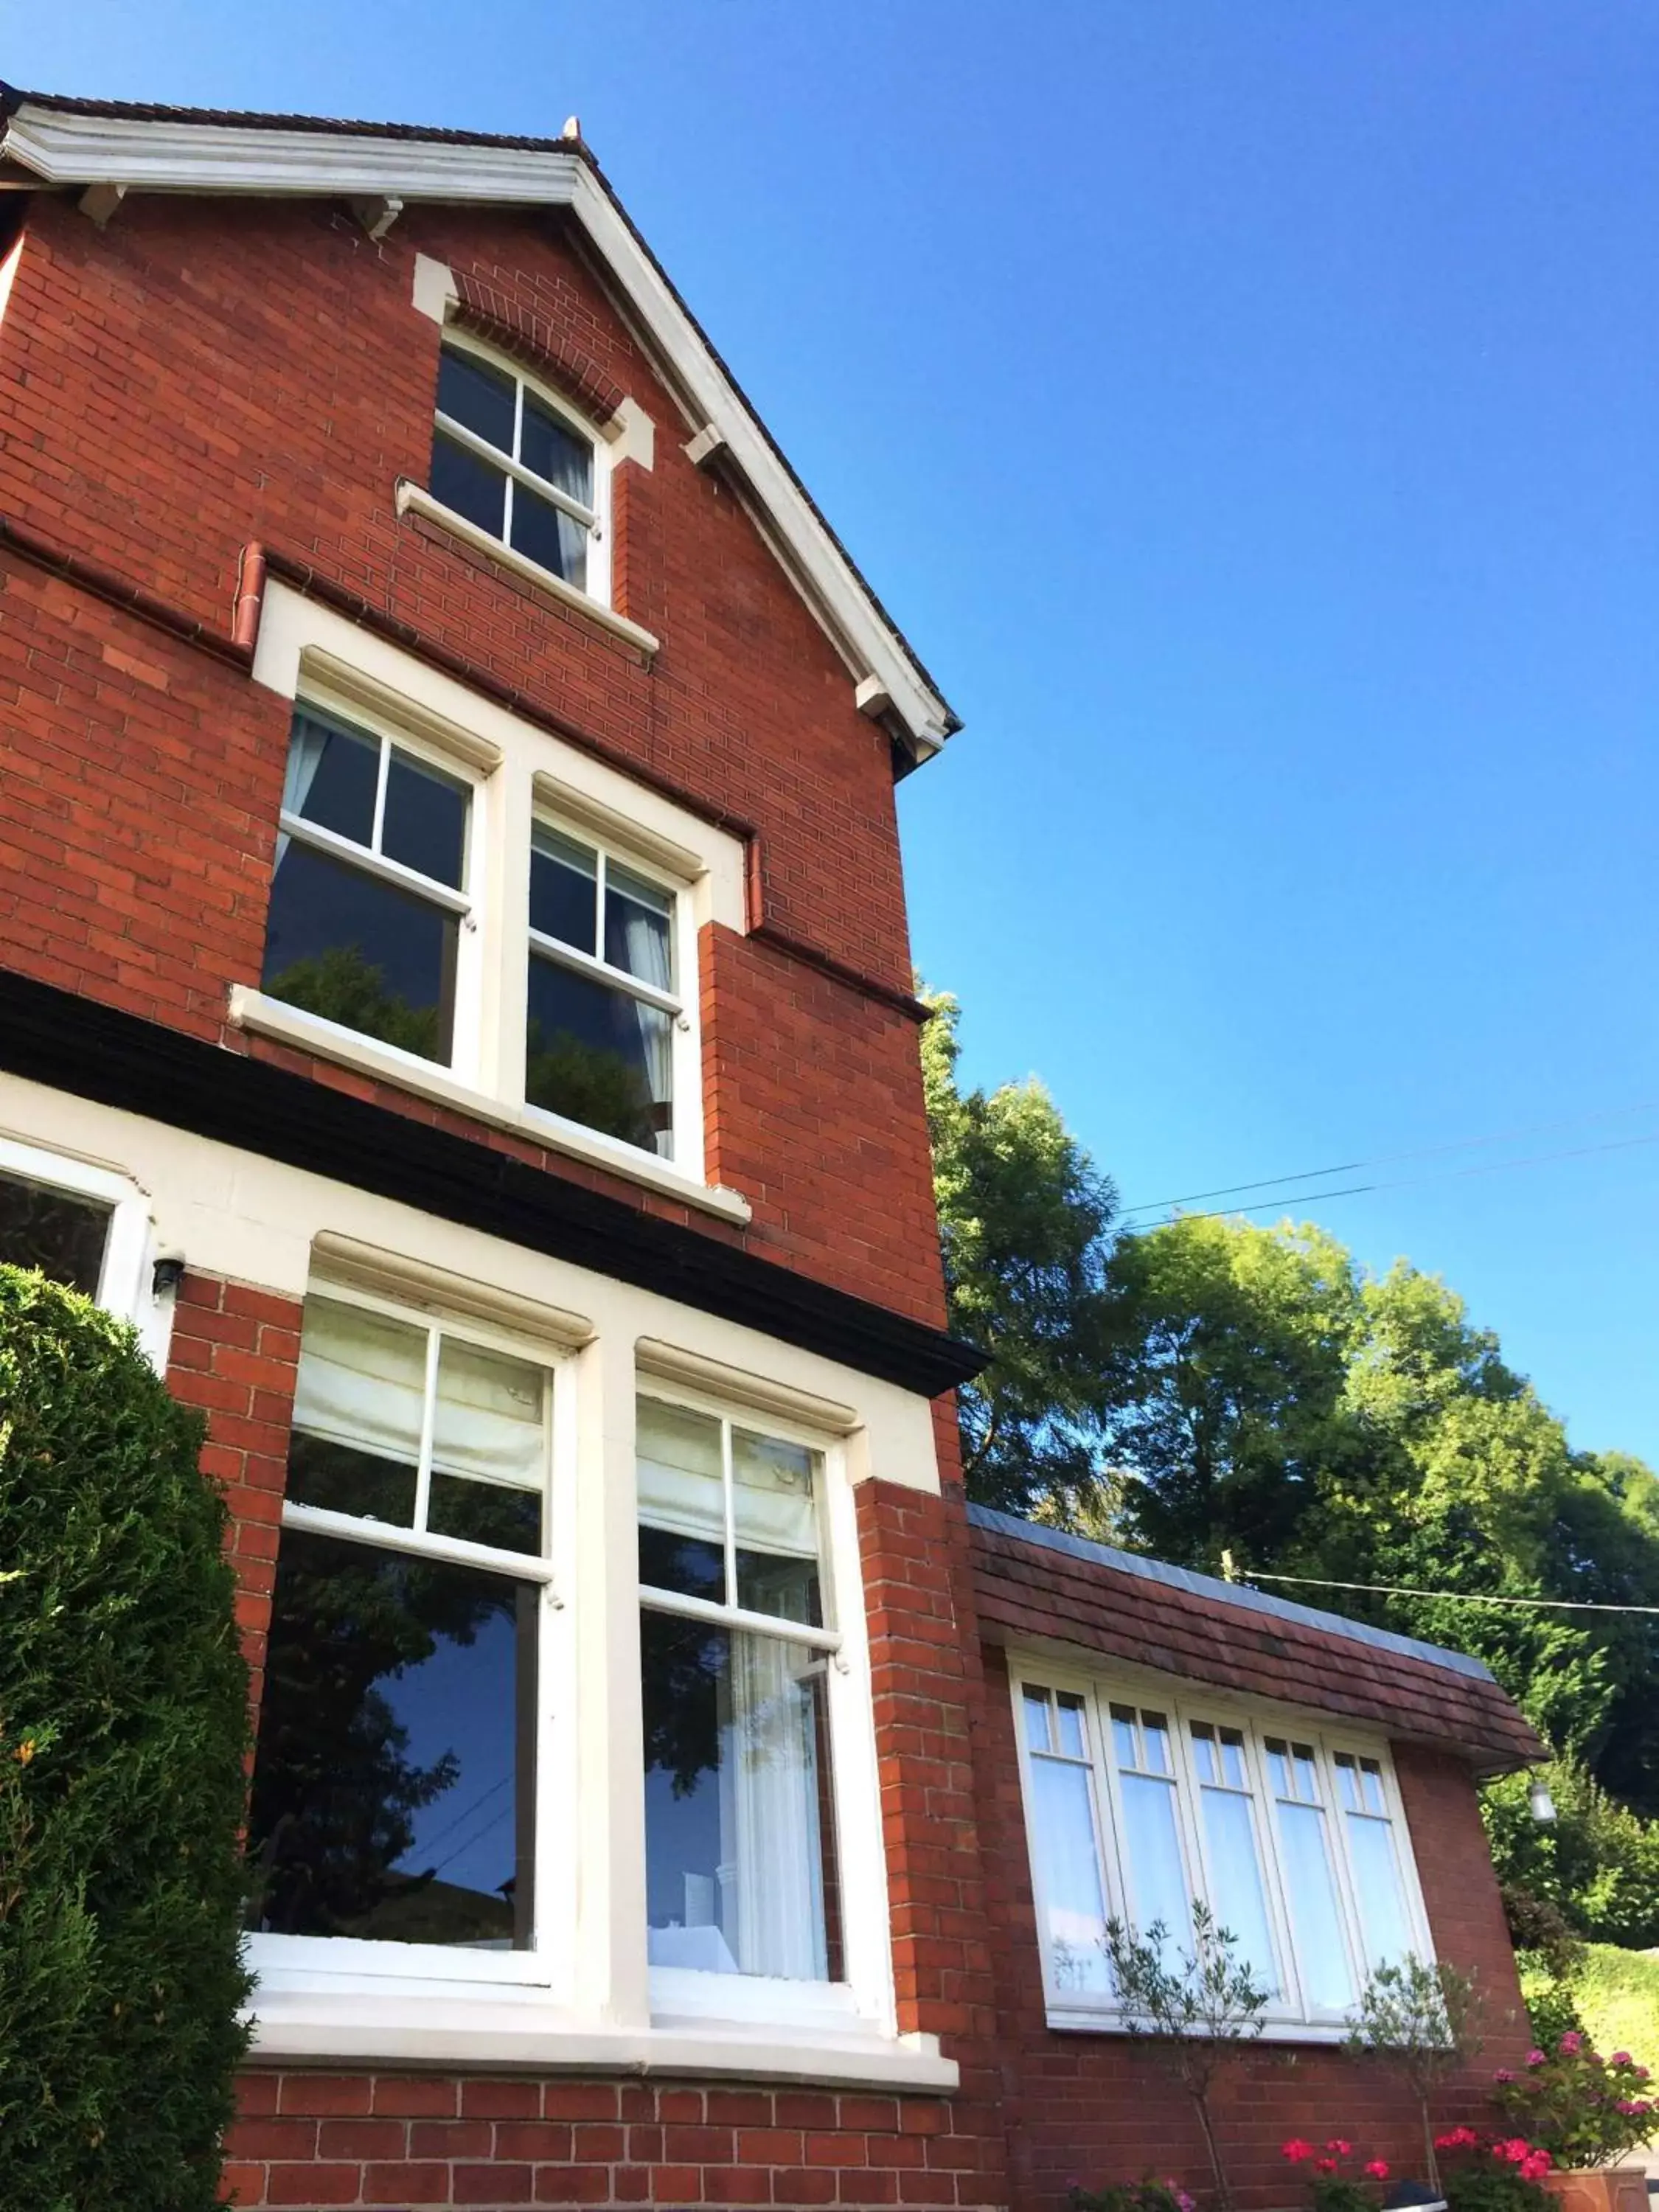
(1232, 1759)
(1155, 1736)
(1320, 1950)
(1069, 1713)
(774, 1515)
(1037, 1720)
(637, 935)
(740, 1867)
(694, 1566)
(1068, 1870)
(362, 952)
(393, 1780)
(1123, 1736)
(489, 1448)
(469, 486)
(62, 1236)
(564, 888)
(1238, 1895)
(343, 1480)
(1152, 1851)
(544, 532)
(476, 395)
(1383, 1920)
(1370, 1780)
(362, 1388)
(424, 826)
(331, 777)
(556, 453)
(680, 1482)
(598, 1056)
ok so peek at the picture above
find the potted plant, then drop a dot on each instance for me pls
(1338, 2181)
(1588, 2112)
(1488, 2172)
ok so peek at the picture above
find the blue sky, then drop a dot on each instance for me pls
(1249, 411)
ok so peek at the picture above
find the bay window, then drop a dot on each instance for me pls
(1138, 1806)
(736, 1644)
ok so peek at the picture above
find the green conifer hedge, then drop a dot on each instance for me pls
(123, 1728)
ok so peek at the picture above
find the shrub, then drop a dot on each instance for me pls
(123, 1730)
(1337, 2180)
(1423, 2019)
(1617, 1995)
(1585, 2109)
(1596, 1863)
(1143, 2196)
(1493, 2173)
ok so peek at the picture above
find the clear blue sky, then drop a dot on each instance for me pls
(1249, 408)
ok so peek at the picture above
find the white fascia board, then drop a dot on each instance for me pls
(67, 148)
(64, 148)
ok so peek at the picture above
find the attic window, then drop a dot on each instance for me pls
(516, 462)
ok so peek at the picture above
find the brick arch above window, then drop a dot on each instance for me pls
(492, 314)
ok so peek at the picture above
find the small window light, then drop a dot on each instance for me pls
(167, 1275)
(1539, 1802)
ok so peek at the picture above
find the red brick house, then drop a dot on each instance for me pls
(455, 997)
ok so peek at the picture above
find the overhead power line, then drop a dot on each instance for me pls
(1391, 1159)
(1460, 1597)
(1405, 1182)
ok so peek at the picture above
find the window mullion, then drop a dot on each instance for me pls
(429, 1423)
(1342, 1866)
(731, 1516)
(382, 773)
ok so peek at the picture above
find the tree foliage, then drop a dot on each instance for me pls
(123, 1725)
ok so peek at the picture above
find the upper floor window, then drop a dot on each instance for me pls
(736, 1643)
(603, 1008)
(370, 889)
(1139, 1809)
(516, 462)
(394, 1778)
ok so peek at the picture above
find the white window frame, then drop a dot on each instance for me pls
(595, 520)
(462, 901)
(359, 1965)
(1291, 2018)
(680, 1003)
(126, 1278)
(864, 1996)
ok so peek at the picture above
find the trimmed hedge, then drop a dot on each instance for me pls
(1616, 1995)
(123, 1731)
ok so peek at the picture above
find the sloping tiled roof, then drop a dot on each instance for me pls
(1031, 1582)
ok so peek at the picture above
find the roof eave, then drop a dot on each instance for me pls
(70, 146)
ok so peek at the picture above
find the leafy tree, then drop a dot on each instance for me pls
(1597, 1863)
(1423, 2021)
(123, 1726)
(1023, 1219)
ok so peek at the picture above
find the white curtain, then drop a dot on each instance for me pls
(362, 1382)
(771, 1875)
(304, 757)
(649, 957)
(681, 1485)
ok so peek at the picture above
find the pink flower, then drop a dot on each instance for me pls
(1324, 2165)
(1340, 2147)
(1535, 2058)
(1378, 2169)
(1503, 2074)
(1459, 2139)
(1534, 2167)
(1515, 2148)
(1620, 2058)
(1296, 2150)
(1572, 2043)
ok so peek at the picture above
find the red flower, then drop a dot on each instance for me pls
(1378, 2169)
(1340, 2147)
(1324, 2165)
(1296, 2150)
(1459, 2139)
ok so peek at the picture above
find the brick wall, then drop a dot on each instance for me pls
(415, 2141)
(1098, 2109)
(205, 374)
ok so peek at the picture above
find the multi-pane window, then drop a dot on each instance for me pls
(370, 893)
(394, 1780)
(86, 1227)
(736, 1639)
(603, 1005)
(1138, 1811)
(515, 463)
(58, 1232)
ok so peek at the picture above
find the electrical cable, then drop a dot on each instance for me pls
(1462, 1597)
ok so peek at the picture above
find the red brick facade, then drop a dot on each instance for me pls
(204, 376)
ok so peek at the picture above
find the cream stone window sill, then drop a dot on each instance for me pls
(523, 2028)
(412, 499)
(292, 1025)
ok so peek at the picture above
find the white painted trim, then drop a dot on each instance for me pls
(412, 500)
(632, 434)
(509, 2027)
(435, 290)
(125, 1286)
(439, 1293)
(325, 677)
(668, 1362)
(252, 1010)
(167, 155)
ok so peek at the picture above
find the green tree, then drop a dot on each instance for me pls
(1024, 1218)
(123, 1726)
